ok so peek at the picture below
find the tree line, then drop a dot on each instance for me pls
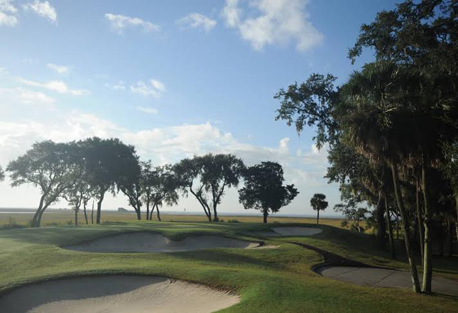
(79, 171)
(392, 127)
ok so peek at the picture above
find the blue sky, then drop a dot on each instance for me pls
(174, 78)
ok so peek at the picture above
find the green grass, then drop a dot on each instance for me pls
(268, 280)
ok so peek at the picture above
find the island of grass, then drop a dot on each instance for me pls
(262, 280)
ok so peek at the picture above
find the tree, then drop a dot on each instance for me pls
(219, 172)
(49, 166)
(160, 186)
(2, 174)
(318, 203)
(422, 35)
(107, 162)
(189, 173)
(264, 189)
(131, 183)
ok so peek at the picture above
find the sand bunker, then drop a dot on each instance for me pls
(378, 277)
(115, 294)
(289, 231)
(153, 242)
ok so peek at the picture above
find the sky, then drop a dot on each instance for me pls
(175, 79)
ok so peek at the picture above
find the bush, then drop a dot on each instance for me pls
(12, 224)
(233, 221)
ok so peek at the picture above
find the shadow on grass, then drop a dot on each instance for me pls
(226, 258)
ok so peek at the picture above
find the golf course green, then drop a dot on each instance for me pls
(276, 279)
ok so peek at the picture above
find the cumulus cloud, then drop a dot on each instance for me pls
(196, 20)
(271, 22)
(151, 88)
(60, 69)
(24, 96)
(162, 145)
(148, 110)
(43, 9)
(57, 86)
(120, 22)
(118, 86)
(8, 14)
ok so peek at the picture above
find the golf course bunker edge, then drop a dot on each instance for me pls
(116, 294)
(155, 242)
(381, 277)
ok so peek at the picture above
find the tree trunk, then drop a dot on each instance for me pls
(158, 213)
(152, 211)
(147, 210)
(419, 218)
(265, 213)
(390, 230)
(85, 213)
(92, 213)
(405, 223)
(215, 214)
(76, 216)
(35, 222)
(99, 207)
(381, 225)
(139, 214)
(427, 256)
(456, 207)
(207, 213)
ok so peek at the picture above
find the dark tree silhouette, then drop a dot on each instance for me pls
(264, 189)
(318, 203)
(49, 166)
(108, 162)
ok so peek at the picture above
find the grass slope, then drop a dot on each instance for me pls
(268, 280)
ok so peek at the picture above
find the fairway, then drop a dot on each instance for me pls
(266, 280)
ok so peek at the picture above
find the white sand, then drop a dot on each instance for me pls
(116, 294)
(153, 242)
(289, 231)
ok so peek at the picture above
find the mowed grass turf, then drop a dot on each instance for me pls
(268, 280)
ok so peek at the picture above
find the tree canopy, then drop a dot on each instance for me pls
(264, 189)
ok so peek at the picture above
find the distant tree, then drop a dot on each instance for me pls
(264, 189)
(219, 172)
(130, 182)
(318, 203)
(160, 186)
(49, 166)
(79, 192)
(189, 173)
(107, 162)
(2, 174)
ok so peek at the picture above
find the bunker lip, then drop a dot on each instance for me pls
(147, 242)
(383, 277)
(115, 293)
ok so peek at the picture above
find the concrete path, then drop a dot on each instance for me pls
(378, 277)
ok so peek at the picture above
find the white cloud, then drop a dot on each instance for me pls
(151, 88)
(148, 110)
(162, 145)
(196, 20)
(60, 69)
(43, 9)
(24, 96)
(118, 86)
(119, 22)
(278, 22)
(57, 86)
(8, 14)
(4, 71)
